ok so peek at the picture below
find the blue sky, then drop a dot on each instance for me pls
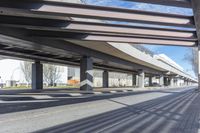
(176, 53)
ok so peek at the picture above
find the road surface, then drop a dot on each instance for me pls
(167, 111)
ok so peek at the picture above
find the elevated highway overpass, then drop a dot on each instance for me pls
(36, 31)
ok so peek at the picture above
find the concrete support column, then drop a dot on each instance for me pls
(175, 82)
(141, 77)
(134, 80)
(166, 81)
(185, 82)
(161, 80)
(86, 73)
(105, 79)
(171, 81)
(37, 76)
(150, 81)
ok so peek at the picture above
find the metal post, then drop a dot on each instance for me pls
(86, 73)
(37, 76)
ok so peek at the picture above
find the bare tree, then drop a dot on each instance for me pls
(51, 73)
(26, 69)
(192, 57)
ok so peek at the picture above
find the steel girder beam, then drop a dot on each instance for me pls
(56, 33)
(104, 37)
(107, 37)
(196, 11)
(176, 3)
(30, 57)
(18, 38)
(107, 28)
(105, 32)
(96, 12)
(19, 55)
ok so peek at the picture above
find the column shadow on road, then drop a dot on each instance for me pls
(177, 113)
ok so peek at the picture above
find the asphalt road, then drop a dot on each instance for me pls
(169, 111)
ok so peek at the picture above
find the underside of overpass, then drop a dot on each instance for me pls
(46, 31)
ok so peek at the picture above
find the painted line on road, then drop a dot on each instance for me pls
(113, 91)
(97, 93)
(42, 97)
(75, 94)
(28, 101)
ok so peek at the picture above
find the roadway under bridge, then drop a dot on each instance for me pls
(62, 33)
(99, 37)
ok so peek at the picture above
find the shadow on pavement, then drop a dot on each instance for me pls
(20, 103)
(177, 113)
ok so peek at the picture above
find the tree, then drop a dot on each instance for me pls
(192, 57)
(26, 69)
(51, 73)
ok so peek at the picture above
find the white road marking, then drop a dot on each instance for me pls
(97, 93)
(41, 97)
(113, 91)
(27, 101)
(75, 94)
